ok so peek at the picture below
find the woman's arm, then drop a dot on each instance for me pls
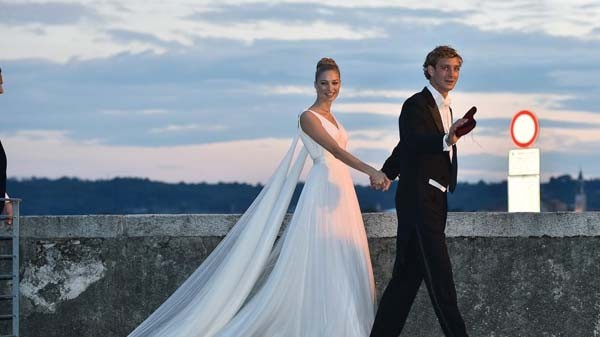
(311, 125)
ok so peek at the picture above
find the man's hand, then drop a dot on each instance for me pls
(8, 211)
(452, 137)
(386, 185)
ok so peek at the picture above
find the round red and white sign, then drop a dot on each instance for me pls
(524, 128)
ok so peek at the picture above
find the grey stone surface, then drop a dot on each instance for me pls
(379, 225)
(519, 274)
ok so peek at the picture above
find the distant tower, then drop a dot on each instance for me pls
(580, 198)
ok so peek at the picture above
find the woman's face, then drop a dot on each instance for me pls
(328, 85)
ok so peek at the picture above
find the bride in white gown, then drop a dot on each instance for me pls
(317, 280)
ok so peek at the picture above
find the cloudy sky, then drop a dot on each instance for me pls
(209, 90)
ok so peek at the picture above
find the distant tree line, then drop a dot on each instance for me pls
(72, 196)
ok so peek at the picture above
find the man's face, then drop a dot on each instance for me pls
(445, 74)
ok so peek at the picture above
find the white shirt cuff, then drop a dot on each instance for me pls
(445, 144)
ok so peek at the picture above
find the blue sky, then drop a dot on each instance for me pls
(210, 90)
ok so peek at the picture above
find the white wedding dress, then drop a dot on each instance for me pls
(316, 281)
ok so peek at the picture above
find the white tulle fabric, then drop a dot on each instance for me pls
(317, 281)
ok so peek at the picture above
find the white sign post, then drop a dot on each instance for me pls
(524, 165)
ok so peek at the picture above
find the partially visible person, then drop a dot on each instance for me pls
(5, 207)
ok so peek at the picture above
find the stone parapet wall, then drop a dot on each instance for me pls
(517, 274)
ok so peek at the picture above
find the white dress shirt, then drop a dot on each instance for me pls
(443, 105)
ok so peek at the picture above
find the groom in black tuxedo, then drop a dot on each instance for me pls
(425, 161)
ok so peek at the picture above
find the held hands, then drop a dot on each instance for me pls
(380, 181)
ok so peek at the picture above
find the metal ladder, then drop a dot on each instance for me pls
(11, 276)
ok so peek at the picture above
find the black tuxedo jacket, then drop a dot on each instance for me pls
(418, 158)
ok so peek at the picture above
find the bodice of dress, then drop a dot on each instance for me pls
(316, 151)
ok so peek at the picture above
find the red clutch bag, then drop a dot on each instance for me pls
(469, 125)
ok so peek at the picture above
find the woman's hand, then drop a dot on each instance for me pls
(379, 181)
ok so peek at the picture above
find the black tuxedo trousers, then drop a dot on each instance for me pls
(421, 257)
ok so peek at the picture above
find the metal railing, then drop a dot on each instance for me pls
(9, 251)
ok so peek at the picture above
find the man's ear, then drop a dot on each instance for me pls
(430, 70)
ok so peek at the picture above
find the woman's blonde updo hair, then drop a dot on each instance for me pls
(324, 65)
